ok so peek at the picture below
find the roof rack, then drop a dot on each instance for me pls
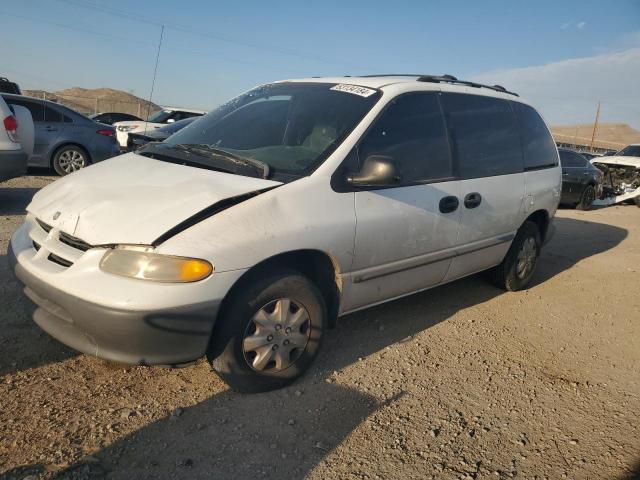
(446, 79)
(452, 79)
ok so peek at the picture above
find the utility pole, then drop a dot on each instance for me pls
(595, 126)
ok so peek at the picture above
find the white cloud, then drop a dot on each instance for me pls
(568, 91)
(581, 25)
(566, 25)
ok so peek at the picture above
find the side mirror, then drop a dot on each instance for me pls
(377, 171)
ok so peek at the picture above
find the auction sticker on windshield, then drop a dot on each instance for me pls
(355, 89)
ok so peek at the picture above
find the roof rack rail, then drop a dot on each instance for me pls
(443, 79)
(452, 79)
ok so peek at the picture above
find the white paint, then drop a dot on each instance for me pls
(133, 200)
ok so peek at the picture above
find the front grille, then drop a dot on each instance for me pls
(59, 260)
(59, 247)
(74, 242)
(44, 226)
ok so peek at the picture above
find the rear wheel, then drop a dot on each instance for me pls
(587, 198)
(269, 332)
(519, 264)
(69, 159)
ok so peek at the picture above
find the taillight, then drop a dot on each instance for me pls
(106, 132)
(11, 126)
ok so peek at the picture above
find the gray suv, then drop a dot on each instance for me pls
(64, 139)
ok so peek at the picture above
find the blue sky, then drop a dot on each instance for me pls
(564, 56)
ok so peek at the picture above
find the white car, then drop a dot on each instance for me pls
(157, 120)
(246, 234)
(16, 140)
(621, 176)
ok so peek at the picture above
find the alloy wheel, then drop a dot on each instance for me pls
(71, 161)
(526, 258)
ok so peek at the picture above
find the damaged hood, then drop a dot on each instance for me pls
(134, 199)
(622, 161)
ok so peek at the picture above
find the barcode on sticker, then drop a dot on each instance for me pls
(355, 89)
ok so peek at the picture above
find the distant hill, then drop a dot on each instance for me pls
(94, 100)
(608, 135)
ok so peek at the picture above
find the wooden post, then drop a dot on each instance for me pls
(595, 126)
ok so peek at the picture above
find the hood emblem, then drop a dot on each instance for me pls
(56, 215)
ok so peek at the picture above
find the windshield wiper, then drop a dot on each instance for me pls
(159, 151)
(218, 152)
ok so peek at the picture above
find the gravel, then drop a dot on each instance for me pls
(462, 381)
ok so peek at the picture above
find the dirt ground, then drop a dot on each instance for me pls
(462, 381)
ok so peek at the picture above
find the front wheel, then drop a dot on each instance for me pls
(269, 332)
(519, 264)
(69, 159)
(587, 198)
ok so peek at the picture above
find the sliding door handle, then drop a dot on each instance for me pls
(449, 204)
(472, 200)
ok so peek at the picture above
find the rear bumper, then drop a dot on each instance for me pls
(149, 337)
(13, 163)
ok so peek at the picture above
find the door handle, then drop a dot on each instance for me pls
(51, 129)
(472, 200)
(449, 204)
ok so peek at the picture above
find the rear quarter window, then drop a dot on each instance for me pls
(538, 147)
(484, 135)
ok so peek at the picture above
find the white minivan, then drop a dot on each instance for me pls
(246, 234)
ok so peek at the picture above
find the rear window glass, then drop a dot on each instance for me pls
(538, 146)
(36, 109)
(484, 135)
(572, 160)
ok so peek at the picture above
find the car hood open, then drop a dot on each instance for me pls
(134, 199)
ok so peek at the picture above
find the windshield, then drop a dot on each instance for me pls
(630, 151)
(160, 116)
(290, 127)
(175, 126)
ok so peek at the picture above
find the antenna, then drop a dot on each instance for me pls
(153, 83)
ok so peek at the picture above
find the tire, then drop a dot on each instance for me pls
(587, 198)
(231, 352)
(69, 159)
(508, 275)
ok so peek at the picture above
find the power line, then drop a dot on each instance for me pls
(189, 30)
(142, 42)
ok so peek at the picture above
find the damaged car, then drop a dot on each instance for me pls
(621, 177)
(244, 236)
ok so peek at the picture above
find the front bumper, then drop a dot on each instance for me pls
(12, 164)
(141, 323)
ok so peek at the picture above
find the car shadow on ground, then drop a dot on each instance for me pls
(236, 436)
(14, 201)
(574, 241)
(23, 345)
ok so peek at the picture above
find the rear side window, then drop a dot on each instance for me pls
(484, 135)
(52, 115)
(537, 144)
(412, 131)
(36, 109)
(572, 160)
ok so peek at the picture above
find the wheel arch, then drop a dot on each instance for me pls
(541, 219)
(320, 267)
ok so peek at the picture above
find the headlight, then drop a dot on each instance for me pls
(127, 128)
(155, 267)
